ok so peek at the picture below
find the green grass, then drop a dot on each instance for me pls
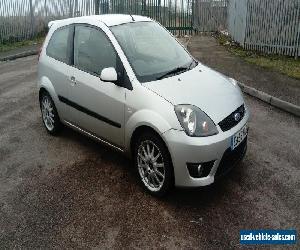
(11, 46)
(283, 64)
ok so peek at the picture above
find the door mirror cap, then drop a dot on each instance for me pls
(109, 75)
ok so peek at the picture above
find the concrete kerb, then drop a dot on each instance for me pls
(19, 55)
(273, 101)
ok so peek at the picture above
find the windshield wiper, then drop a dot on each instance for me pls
(193, 64)
(173, 71)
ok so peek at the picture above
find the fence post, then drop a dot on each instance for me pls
(97, 7)
(32, 21)
(144, 7)
(194, 13)
(70, 8)
(298, 37)
(76, 8)
(45, 9)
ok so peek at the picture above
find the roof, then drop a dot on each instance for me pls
(116, 19)
(107, 19)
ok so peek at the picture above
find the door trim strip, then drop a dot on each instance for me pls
(88, 112)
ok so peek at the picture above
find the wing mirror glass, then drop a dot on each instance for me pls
(109, 75)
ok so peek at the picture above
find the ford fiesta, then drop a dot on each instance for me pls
(127, 82)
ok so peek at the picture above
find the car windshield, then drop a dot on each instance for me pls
(152, 52)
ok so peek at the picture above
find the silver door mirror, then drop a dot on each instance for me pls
(109, 75)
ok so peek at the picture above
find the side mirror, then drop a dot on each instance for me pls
(109, 75)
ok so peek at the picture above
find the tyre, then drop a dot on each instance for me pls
(153, 164)
(49, 114)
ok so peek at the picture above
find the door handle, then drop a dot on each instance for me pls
(72, 80)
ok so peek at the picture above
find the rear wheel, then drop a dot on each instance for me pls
(153, 164)
(49, 114)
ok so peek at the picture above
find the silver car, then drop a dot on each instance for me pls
(126, 81)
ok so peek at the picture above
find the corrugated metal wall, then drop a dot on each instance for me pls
(267, 26)
(237, 13)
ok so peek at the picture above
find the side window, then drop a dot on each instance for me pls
(92, 50)
(58, 45)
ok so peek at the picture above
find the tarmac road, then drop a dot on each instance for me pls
(69, 191)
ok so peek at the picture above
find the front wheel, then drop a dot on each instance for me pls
(153, 164)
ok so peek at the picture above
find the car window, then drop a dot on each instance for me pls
(150, 49)
(92, 50)
(58, 45)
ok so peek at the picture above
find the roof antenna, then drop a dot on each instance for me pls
(132, 17)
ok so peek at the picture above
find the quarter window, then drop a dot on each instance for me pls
(58, 45)
(92, 50)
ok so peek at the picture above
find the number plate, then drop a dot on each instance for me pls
(239, 137)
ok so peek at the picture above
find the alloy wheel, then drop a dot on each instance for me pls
(151, 165)
(48, 113)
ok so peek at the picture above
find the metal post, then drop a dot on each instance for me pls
(45, 9)
(97, 7)
(70, 8)
(144, 7)
(76, 8)
(297, 51)
(32, 21)
(193, 15)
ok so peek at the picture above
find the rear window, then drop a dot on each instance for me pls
(58, 45)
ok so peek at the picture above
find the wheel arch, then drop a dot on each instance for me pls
(139, 131)
(144, 129)
(147, 129)
(144, 120)
(42, 91)
(46, 85)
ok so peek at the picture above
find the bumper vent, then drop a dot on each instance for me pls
(233, 119)
(200, 170)
(231, 158)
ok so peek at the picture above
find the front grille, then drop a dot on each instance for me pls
(231, 158)
(229, 122)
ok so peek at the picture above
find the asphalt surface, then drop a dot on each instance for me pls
(69, 191)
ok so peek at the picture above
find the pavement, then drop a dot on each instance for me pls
(71, 192)
(20, 52)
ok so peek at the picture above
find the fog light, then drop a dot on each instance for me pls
(200, 170)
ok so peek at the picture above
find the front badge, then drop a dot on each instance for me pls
(237, 116)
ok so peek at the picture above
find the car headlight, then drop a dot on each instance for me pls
(194, 121)
(233, 81)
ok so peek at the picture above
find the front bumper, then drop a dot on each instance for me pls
(185, 149)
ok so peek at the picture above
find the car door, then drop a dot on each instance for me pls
(57, 66)
(96, 106)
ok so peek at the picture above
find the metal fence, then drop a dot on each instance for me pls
(267, 26)
(210, 15)
(24, 19)
(263, 25)
(175, 15)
